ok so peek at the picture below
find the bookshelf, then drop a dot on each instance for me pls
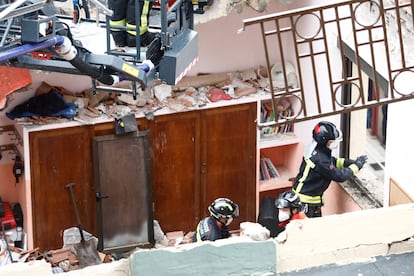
(285, 151)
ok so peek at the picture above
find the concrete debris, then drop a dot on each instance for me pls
(240, 92)
(159, 236)
(191, 92)
(255, 231)
(258, 5)
(199, 81)
(129, 99)
(96, 98)
(162, 92)
(248, 75)
(176, 238)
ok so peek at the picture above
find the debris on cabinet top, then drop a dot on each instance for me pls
(192, 92)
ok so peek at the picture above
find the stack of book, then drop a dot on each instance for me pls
(267, 169)
(267, 115)
(283, 110)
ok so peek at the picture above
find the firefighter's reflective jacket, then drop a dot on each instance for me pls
(318, 170)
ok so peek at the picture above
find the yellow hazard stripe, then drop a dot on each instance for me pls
(144, 17)
(354, 168)
(117, 23)
(309, 165)
(340, 163)
(144, 20)
(198, 235)
(309, 199)
(305, 198)
(130, 69)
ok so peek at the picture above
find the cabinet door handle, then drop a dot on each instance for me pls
(99, 196)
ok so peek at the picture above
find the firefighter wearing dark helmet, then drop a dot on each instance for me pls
(222, 211)
(289, 208)
(319, 168)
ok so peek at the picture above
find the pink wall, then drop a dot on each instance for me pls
(9, 190)
(13, 192)
(223, 49)
(338, 201)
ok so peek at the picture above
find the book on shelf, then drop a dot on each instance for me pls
(264, 169)
(267, 169)
(271, 167)
(267, 114)
(261, 174)
(289, 126)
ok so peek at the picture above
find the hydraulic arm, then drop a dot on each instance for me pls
(34, 37)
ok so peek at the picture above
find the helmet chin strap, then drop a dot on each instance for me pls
(229, 221)
(225, 221)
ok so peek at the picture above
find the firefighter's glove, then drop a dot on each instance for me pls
(360, 161)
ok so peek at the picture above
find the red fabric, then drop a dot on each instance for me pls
(169, 4)
(12, 79)
(300, 215)
(8, 220)
(217, 94)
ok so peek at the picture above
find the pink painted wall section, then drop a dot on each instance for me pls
(223, 49)
(9, 190)
(338, 201)
(13, 192)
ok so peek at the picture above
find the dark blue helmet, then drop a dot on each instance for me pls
(288, 199)
(325, 131)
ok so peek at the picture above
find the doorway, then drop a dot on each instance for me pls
(365, 133)
(123, 191)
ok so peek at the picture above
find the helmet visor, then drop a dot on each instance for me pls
(338, 134)
(236, 210)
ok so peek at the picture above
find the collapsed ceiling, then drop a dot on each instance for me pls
(224, 7)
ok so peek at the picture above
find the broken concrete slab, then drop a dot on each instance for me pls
(355, 238)
(346, 238)
(33, 268)
(233, 256)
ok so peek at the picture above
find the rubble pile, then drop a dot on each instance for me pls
(65, 259)
(191, 92)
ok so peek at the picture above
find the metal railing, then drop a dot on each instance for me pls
(317, 41)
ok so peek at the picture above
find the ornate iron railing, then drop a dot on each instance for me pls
(317, 41)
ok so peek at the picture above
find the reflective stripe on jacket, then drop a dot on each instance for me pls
(209, 229)
(317, 172)
(124, 15)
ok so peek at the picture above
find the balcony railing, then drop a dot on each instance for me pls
(318, 42)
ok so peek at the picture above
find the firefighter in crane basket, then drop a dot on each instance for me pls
(124, 17)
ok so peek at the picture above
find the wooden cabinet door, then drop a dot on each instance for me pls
(59, 157)
(176, 171)
(228, 158)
